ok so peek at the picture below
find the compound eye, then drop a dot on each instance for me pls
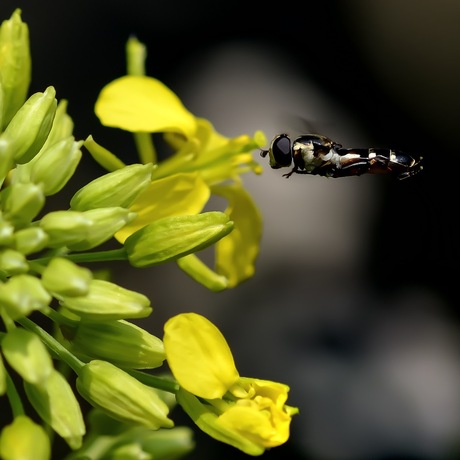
(280, 151)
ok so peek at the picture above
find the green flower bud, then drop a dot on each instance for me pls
(119, 342)
(29, 128)
(6, 233)
(65, 227)
(173, 237)
(106, 300)
(63, 277)
(57, 405)
(62, 125)
(129, 451)
(166, 444)
(2, 101)
(13, 262)
(2, 377)
(27, 355)
(110, 437)
(6, 156)
(55, 165)
(22, 203)
(105, 223)
(123, 397)
(22, 294)
(15, 65)
(29, 240)
(24, 440)
(118, 188)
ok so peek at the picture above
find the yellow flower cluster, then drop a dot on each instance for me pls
(156, 211)
(248, 413)
(203, 163)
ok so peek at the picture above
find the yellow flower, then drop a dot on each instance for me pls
(248, 413)
(203, 163)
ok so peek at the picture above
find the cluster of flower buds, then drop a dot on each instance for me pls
(38, 156)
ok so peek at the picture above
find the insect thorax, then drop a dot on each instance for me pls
(310, 156)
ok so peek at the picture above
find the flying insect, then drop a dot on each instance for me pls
(319, 155)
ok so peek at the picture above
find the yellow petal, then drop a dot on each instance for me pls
(258, 426)
(208, 136)
(237, 252)
(199, 356)
(143, 104)
(204, 135)
(178, 195)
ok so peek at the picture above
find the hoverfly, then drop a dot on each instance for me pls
(316, 154)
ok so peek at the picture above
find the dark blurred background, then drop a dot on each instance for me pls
(354, 302)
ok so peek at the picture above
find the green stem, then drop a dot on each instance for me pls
(13, 397)
(98, 256)
(145, 148)
(160, 383)
(36, 267)
(72, 361)
(135, 65)
(60, 319)
(136, 53)
(55, 347)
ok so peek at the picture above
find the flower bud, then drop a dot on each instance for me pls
(118, 188)
(22, 203)
(119, 439)
(173, 237)
(30, 126)
(29, 240)
(63, 277)
(119, 342)
(123, 397)
(6, 155)
(166, 444)
(57, 405)
(129, 451)
(62, 125)
(65, 227)
(13, 262)
(15, 65)
(106, 300)
(24, 439)
(27, 355)
(22, 294)
(6, 233)
(105, 223)
(54, 166)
